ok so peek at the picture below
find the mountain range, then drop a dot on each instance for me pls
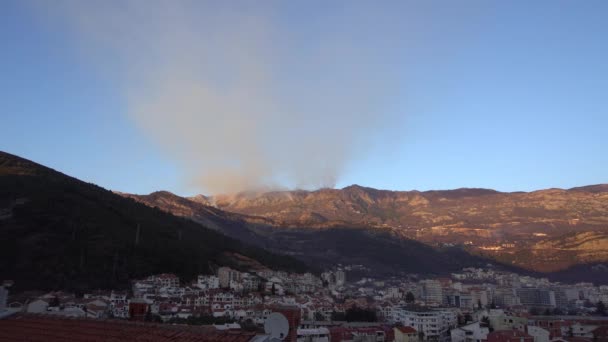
(545, 231)
(59, 232)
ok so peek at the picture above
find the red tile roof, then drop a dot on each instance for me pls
(407, 330)
(507, 334)
(39, 328)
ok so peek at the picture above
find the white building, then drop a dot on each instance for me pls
(433, 324)
(470, 333)
(340, 278)
(313, 335)
(432, 293)
(539, 334)
(208, 282)
(227, 275)
(166, 280)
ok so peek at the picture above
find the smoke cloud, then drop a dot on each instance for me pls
(239, 97)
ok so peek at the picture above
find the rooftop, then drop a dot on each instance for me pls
(49, 329)
(406, 330)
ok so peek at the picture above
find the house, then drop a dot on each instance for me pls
(313, 335)
(208, 282)
(509, 336)
(120, 310)
(166, 280)
(93, 310)
(472, 332)
(582, 330)
(117, 297)
(508, 322)
(405, 334)
(433, 324)
(360, 334)
(539, 334)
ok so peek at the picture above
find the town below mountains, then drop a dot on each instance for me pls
(65, 233)
(349, 265)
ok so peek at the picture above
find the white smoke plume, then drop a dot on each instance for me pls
(237, 96)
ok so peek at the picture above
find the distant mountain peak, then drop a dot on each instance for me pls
(596, 188)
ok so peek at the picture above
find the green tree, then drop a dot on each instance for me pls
(249, 325)
(356, 314)
(409, 298)
(486, 322)
(338, 316)
(600, 309)
(54, 301)
(468, 318)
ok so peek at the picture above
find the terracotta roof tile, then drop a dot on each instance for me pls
(407, 330)
(41, 328)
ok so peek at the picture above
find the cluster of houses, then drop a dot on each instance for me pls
(474, 305)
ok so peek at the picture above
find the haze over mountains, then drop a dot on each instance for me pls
(56, 230)
(546, 230)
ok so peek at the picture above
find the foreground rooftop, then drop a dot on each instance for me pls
(49, 329)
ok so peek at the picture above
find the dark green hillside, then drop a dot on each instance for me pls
(59, 232)
(383, 252)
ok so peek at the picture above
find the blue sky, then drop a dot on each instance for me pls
(504, 95)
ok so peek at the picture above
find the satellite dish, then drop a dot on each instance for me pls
(276, 326)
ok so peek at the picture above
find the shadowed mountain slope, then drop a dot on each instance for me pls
(547, 230)
(59, 232)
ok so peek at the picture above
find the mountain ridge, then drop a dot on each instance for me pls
(58, 232)
(509, 227)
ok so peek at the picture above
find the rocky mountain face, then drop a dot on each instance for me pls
(546, 230)
(545, 210)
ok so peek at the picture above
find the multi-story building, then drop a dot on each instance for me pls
(479, 297)
(340, 278)
(505, 297)
(227, 275)
(208, 282)
(469, 333)
(536, 297)
(166, 280)
(433, 325)
(509, 336)
(405, 334)
(561, 299)
(432, 292)
(459, 300)
(250, 282)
